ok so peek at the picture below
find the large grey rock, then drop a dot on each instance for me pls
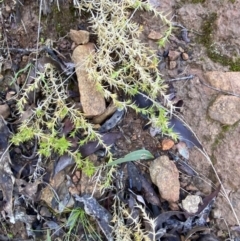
(225, 109)
(165, 176)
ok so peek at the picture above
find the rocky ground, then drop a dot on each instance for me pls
(201, 64)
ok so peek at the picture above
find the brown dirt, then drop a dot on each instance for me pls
(19, 28)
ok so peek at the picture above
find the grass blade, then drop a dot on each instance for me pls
(133, 156)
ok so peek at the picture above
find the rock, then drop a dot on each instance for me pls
(172, 64)
(185, 56)
(165, 176)
(4, 111)
(154, 35)
(191, 15)
(80, 36)
(25, 58)
(220, 143)
(8, 9)
(167, 144)
(173, 55)
(225, 109)
(227, 81)
(190, 203)
(93, 102)
(226, 28)
(181, 49)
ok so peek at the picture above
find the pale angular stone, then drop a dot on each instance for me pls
(165, 176)
(191, 203)
(8, 9)
(154, 35)
(93, 102)
(80, 36)
(173, 55)
(225, 109)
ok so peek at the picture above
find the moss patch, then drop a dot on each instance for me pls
(221, 135)
(206, 40)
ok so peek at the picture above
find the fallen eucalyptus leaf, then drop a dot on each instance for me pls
(63, 162)
(113, 121)
(183, 149)
(92, 146)
(185, 134)
(133, 156)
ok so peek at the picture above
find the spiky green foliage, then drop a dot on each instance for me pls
(44, 121)
(122, 63)
(129, 226)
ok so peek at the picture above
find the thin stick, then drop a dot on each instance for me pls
(181, 78)
(219, 90)
(24, 26)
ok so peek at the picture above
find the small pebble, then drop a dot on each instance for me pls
(173, 55)
(78, 174)
(172, 64)
(134, 137)
(190, 203)
(167, 144)
(24, 58)
(75, 179)
(8, 9)
(185, 56)
(181, 49)
(154, 35)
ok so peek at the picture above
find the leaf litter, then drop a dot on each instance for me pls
(141, 201)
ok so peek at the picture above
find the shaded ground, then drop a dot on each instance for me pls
(214, 45)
